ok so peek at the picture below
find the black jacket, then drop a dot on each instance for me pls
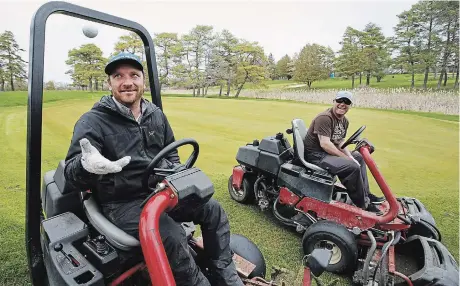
(115, 133)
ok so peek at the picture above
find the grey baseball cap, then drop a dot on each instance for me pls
(123, 57)
(344, 94)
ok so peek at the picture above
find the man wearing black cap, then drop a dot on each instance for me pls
(112, 145)
(323, 142)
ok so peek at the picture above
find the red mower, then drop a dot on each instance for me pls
(69, 241)
(400, 247)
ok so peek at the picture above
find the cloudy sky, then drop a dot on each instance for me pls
(279, 27)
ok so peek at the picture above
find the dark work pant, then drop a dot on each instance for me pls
(216, 238)
(352, 176)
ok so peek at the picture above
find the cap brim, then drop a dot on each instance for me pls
(113, 65)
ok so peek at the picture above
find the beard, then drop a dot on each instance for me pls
(128, 97)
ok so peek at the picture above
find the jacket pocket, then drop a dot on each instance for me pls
(153, 137)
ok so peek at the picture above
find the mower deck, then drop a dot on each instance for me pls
(417, 261)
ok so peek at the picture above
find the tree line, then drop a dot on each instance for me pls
(197, 60)
(426, 40)
(12, 66)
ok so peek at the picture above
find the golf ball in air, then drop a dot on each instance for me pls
(90, 31)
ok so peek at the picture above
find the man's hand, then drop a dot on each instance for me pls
(93, 162)
(344, 150)
(329, 147)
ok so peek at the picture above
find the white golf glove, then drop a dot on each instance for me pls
(352, 158)
(93, 162)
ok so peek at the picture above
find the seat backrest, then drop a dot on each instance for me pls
(299, 131)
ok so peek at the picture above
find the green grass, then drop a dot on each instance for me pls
(389, 81)
(417, 155)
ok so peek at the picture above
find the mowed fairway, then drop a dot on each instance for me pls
(417, 155)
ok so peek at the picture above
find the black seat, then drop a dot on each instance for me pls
(117, 237)
(299, 131)
(58, 196)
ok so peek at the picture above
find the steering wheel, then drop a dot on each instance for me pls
(353, 137)
(152, 170)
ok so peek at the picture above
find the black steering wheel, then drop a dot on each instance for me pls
(151, 170)
(353, 137)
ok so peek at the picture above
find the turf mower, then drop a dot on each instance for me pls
(82, 247)
(400, 247)
(68, 239)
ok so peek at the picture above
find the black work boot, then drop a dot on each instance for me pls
(374, 209)
(376, 200)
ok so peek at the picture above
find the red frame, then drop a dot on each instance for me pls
(237, 177)
(149, 236)
(287, 197)
(153, 251)
(351, 216)
(127, 274)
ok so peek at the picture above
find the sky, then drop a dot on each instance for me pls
(280, 27)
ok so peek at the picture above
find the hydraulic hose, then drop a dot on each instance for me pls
(369, 256)
(438, 233)
(404, 277)
(385, 248)
(397, 238)
(280, 217)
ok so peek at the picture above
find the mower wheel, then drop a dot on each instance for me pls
(245, 195)
(245, 248)
(335, 237)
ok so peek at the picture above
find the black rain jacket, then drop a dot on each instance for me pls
(115, 133)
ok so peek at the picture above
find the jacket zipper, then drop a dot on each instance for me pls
(141, 132)
(137, 123)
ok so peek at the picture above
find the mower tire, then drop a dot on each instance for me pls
(245, 248)
(335, 237)
(245, 195)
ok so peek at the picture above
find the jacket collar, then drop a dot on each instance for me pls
(108, 102)
(125, 110)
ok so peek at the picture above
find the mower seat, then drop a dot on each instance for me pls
(299, 131)
(117, 237)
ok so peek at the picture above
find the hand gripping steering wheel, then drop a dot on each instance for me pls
(353, 138)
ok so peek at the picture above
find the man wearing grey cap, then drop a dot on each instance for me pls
(111, 147)
(323, 142)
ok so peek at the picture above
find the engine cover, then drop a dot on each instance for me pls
(267, 157)
(192, 186)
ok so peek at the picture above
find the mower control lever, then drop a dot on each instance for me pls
(101, 247)
(58, 248)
